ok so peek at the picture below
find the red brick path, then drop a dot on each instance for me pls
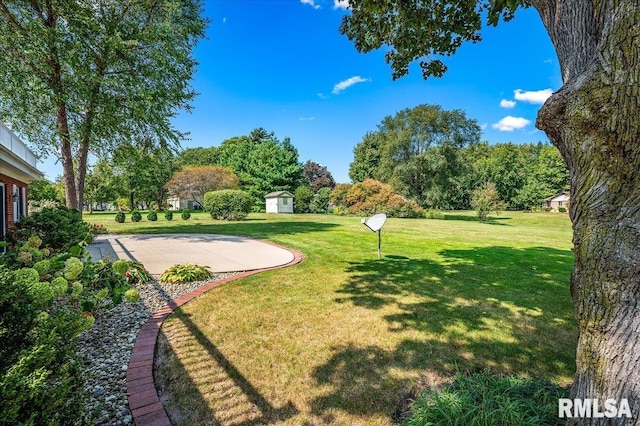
(146, 408)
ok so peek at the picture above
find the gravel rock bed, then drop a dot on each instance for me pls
(105, 349)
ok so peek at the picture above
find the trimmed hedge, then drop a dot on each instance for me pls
(229, 204)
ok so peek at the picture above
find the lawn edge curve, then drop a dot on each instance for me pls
(144, 403)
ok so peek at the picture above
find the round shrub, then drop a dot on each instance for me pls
(136, 216)
(120, 217)
(168, 215)
(229, 204)
(185, 214)
(58, 227)
(152, 216)
(371, 196)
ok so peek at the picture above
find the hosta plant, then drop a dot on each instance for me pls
(185, 273)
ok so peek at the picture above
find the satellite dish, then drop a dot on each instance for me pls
(375, 224)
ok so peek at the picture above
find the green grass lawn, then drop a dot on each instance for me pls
(343, 337)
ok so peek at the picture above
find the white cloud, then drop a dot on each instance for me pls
(507, 104)
(224, 20)
(341, 4)
(509, 124)
(306, 118)
(345, 84)
(533, 97)
(311, 3)
(483, 126)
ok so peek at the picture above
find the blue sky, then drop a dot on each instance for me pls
(283, 65)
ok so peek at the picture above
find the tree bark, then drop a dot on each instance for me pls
(66, 156)
(594, 120)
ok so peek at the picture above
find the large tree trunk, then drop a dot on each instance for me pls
(66, 156)
(595, 122)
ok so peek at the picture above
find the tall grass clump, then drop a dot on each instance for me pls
(487, 399)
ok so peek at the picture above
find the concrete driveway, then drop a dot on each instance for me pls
(222, 253)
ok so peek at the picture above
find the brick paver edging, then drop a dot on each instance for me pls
(144, 403)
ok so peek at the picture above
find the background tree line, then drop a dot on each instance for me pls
(435, 158)
(143, 175)
(425, 154)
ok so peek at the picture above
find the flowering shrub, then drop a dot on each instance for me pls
(40, 381)
(97, 229)
(46, 299)
(133, 272)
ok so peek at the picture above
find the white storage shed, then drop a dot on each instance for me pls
(279, 202)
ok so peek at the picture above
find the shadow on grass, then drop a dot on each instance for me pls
(491, 220)
(238, 401)
(256, 228)
(500, 308)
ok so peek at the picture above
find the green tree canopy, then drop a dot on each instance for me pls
(100, 185)
(80, 77)
(142, 172)
(417, 152)
(263, 163)
(42, 189)
(366, 157)
(200, 156)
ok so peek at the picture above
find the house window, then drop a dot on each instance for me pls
(285, 201)
(15, 198)
(559, 203)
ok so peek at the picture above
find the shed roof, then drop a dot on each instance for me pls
(277, 194)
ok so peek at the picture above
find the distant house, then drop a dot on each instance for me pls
(17, 169)
(557, 202)
(279, 202)
(177, 203)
